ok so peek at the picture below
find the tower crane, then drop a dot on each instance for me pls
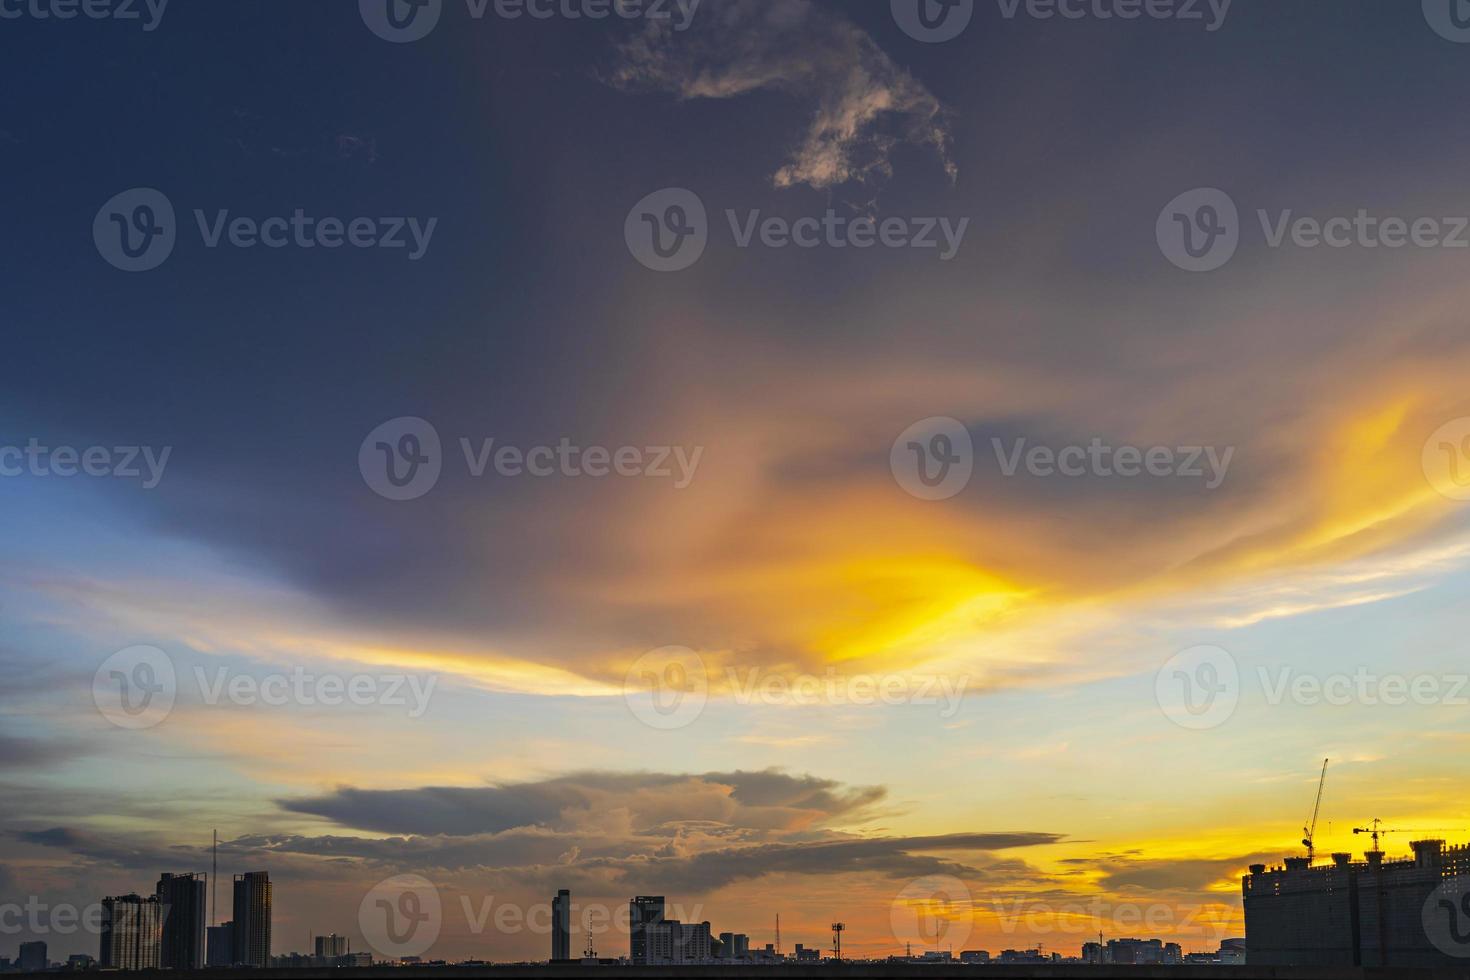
(1376, 830)
(1309, 832)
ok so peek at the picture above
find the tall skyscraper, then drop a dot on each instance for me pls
(643, 911)
(32, 957)
(561, 926)
(252, 938)
(132, 933)
(184, 912)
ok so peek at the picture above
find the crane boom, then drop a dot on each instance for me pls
(1310, 830)
(1377, 830)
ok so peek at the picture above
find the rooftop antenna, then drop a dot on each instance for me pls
(214, 884)
(778, 933)
(837, 929)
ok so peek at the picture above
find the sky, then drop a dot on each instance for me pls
(457, 537)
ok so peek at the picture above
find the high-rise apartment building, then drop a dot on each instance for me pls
(252, 934)
(331, 948)
(561, 926)
(672, 941)
(132, 933)
(185, 915)
(221, 945)
(32, 957)
(1373, 913)
(643, 911)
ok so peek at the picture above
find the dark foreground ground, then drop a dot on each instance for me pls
(840, 971)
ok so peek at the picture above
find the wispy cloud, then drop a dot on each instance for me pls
(864, 103)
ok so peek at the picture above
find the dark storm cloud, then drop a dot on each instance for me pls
(29, 753)
(892, 857)
(1145, 874)
(679, 832)
(104, 849)
(533, 857)
(767, 799)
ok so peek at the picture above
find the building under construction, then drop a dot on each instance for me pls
(1406, 913)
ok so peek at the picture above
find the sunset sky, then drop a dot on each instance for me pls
(1048, 605)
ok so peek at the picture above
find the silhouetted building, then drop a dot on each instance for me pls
(804, 955)
(80, 961)
(643, 911)
(32, 957)
(252, 938)
(561, 926)
(974, 956)
(1232, 952)
(183, 900)
(132, 933)
(221, 944)
(1369, 913)
(733, 946)
(331, 947)
(672, 941)
(1137, 952)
